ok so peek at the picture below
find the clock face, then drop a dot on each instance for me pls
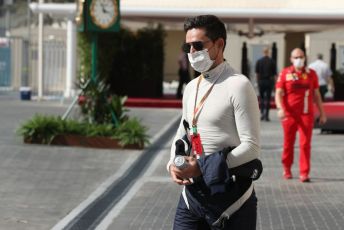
(104, 12)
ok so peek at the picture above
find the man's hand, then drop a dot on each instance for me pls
(318, 102)
(182, 177)
(322, 119)
(174, 171)
(280, 113)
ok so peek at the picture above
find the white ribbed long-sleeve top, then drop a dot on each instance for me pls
(230, 115)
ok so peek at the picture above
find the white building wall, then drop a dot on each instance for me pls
(233, 50)
(321, 43)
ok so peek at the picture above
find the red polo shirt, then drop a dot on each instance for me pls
(298, 89)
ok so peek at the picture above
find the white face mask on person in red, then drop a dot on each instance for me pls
(298, 63)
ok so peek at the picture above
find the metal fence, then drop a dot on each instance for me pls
(18, 66)
(54, 68)
(54, 65)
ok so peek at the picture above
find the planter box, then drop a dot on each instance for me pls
(88, 142)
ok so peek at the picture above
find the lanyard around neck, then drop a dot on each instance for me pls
(201, 103)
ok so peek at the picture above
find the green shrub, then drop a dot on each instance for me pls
(74, 127)
(132, 132)
(42, 129)
(103, 130)
(98, 106)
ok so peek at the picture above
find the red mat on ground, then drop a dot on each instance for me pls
(165, 102)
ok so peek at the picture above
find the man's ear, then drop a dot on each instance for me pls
(220, 43)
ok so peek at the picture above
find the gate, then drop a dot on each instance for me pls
(54, 69)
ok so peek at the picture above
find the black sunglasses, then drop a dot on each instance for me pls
(298, 57)
(198, 46)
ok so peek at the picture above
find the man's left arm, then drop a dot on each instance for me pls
(317, 97)
(330, 84)
(318, 102)
(329, 80)
(247, 122)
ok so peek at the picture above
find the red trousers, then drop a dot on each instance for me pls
(304, 125)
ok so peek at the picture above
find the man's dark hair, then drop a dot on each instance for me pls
(320, 56)
(214, 27)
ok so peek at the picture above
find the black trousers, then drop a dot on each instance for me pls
(265, 90)
(198, 218)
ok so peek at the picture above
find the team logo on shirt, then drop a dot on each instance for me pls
(304, 76)
(289, 77)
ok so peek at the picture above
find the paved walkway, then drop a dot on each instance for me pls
(44, 187)
(282, 204)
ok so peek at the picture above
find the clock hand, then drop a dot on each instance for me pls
(103, 8)
(106, 11)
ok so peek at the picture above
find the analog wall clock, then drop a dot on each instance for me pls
(104, 13)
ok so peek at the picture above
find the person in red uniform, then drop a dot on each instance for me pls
(296, 89)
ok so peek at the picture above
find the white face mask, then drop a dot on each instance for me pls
(298, 63)
(200, 60)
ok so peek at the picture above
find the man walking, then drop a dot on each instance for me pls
(296, 89)
(221, 121)
(265, 72)
(324, 75)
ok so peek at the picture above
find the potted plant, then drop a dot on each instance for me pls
(55, 131)
(103, 124)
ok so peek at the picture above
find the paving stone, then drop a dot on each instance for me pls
(40, 184)
(282, 204)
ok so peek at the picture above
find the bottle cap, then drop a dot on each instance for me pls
(180, 162)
